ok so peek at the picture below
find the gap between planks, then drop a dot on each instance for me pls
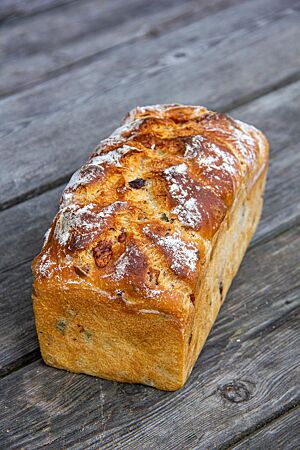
(243, 101)
(14, 16)
(19, 363)
(172, 16)
(260, 426)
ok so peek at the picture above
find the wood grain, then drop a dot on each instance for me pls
(282, 434)
(76, 33)
(27, 223)
(29, 220)
(11, 10)
(246, 375)
(51, 127)
(277, 115)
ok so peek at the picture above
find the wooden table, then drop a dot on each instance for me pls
(70, 70)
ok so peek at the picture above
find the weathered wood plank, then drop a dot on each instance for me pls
(74, 34)
(281, 434)
(27, 224)
(282, 207)
(17, 336)
(276, 114)
(247, 374)
(169, 68)
(13, 9)
(28, 221)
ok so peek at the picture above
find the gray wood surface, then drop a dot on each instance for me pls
(70, 70)
(278, 115)
(11, 10)
(74, 35)
(51, 127)
(282, 433)
(246, 374)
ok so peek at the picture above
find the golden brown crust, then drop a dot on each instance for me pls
(139, 221)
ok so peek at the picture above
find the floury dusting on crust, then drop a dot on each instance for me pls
(162, 110)
(129, 265)
(217, 158)
(71, 218)
(240, 135)
(82, 220)
(184, 255)
(187, 208)
(94, 169)
(127, 127)
(80, 177)
(113, 157)
(118, 137)
(218, 165)
(46, 264)
(125, 262)
(46, 237)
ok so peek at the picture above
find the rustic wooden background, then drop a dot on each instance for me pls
(70, 70)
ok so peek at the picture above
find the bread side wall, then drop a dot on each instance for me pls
(231, 244)
(79, 332)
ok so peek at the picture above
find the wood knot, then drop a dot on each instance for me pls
(237, 391)
(180, 55)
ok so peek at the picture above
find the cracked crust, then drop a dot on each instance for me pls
(139, 223)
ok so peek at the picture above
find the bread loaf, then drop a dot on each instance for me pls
(148, 237)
